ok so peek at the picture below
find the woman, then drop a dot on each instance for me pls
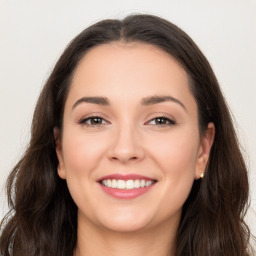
(132, 152)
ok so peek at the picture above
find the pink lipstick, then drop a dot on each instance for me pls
(126, 186)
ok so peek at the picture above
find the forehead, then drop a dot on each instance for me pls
(124, 71)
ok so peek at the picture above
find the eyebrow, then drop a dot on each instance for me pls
(103, 101)
(158, 99)
(94, 100)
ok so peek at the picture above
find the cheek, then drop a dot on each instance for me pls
(176, 153)
(176, 156)
(177, 163)
(180, 156)
(81, 153)
(82, 157)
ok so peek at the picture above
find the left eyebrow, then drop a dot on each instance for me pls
(158, 99)
(93, 100)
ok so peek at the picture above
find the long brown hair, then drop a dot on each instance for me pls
(43, 217)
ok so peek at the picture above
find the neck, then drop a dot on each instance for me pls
(92, 241)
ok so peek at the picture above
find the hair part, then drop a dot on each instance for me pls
(43, 216)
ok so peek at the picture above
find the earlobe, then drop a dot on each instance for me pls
(204, 151)
(61, 173)
(58, 147)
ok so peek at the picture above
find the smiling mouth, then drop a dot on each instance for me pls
(127, 184)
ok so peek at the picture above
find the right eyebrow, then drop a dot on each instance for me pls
(158, 99)
(94, 100)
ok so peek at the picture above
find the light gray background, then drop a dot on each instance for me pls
(34, 33)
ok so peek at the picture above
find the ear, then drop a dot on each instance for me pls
(58, 147)
(204, 150)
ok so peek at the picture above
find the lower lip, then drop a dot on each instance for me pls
(126, 193)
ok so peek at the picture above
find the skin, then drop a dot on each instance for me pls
(130, 140)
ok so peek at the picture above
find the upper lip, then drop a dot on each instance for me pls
(131, 176)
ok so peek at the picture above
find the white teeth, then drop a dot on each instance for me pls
(114, 184)
(109, 183)
(148, 183)
(137, 184)
(121, 184)
(128, 184)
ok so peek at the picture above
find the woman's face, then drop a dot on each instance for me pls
(130, 147)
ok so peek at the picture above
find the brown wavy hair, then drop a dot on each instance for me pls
(43, 217)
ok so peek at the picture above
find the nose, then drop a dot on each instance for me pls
(126, 146)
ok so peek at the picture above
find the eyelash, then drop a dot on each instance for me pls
(85, 120)
(168, 121)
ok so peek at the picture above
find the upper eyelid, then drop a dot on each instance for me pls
(93, 115)
(149, 118)
(82, 120)
(171, 120)
(160, 114)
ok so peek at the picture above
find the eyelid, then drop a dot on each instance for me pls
(171, 121)
(83, 120)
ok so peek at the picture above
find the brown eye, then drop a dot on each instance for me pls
(161, 121)
(93, 121)
(96, 120)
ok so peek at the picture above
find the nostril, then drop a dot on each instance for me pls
(124, 158)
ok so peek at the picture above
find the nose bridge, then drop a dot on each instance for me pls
(126, 144)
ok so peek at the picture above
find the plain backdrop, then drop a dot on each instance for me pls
(33, 34)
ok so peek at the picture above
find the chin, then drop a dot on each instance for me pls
(125, 226)
(125, 221)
